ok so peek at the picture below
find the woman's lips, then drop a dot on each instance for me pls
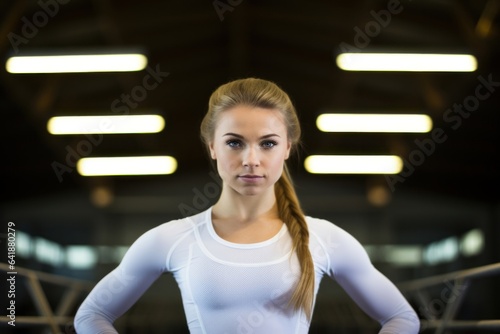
(251, 178)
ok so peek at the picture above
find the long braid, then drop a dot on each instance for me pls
(291, 213)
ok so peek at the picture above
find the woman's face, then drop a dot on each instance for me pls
(250, 145)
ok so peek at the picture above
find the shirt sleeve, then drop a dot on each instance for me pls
(143, 263)
(374, 293)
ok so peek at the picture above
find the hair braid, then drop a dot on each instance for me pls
(291, 213)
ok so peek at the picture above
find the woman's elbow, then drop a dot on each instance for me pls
(90, 321)
(406, 322)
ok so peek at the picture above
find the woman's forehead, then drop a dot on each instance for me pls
(251, 121)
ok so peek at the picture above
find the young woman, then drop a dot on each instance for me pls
(253, 262)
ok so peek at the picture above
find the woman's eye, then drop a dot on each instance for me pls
(233, 143)
(269, 144)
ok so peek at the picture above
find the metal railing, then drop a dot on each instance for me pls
(451, 298)
(52, 320)
(456, 285)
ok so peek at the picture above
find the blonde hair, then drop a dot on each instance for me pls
(265, 94)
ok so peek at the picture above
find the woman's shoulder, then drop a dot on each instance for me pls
(158, 242)
(337, 245)
(323, 229)
(184, 224)
(316, 224)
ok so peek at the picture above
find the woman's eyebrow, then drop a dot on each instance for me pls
(240, 136)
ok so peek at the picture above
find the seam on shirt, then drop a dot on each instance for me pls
(172, 249)
(234, 264)
(188, 220)
(207, 220)
(329, 263)
(188, 285)
(274, 239)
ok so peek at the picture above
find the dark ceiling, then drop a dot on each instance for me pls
(202, 44)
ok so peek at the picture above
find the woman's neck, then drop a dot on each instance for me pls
(245, 208)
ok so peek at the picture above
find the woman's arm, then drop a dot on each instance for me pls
(143, 263)
(376, 295)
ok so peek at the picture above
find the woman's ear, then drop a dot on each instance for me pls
(288, 148)
(212, 151)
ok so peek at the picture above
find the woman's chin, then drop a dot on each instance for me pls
(249, 190)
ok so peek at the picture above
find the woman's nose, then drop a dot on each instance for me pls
(251, 158)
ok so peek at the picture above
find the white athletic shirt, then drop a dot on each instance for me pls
(230, 288)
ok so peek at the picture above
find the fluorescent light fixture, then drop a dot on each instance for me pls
(403, 256)
(374, 123)
(353, 164)
(407, 62)
(47, 251)
(23, 244)
(147, 165)
(472, 243)
(442, 251)
(65, 125)
(77, 63)
(81, 257)
(397, 255)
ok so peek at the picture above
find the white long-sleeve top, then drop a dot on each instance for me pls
(230, 288)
